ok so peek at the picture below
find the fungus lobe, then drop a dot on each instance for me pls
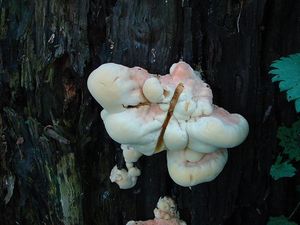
(147, 114)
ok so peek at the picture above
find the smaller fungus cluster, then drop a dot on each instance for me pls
(165, 214)
(148, 113)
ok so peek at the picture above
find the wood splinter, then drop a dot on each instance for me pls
(173, 103)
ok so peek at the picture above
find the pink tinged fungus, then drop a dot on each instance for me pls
(127, 178)
(218, 130)
(188, 168)
(115, 86)
(138, 128)
(148, 113)
(153, 90)
(165, 214)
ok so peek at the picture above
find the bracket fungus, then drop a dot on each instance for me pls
(165, 214)
(149, 113)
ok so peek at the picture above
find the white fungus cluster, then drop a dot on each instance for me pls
(147, 113)
(165, 213)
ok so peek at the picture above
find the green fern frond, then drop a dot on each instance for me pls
(280, 220)
(287, 72)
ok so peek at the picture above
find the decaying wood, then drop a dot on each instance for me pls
(55, 156)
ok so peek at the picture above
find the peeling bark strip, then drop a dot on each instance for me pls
(173, 103)
(69, 189)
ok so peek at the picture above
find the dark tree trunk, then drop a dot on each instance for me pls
(55, 156)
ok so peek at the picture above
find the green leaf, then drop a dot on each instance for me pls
(280, 220)
(287, 72)
(282, 169)
(289, 140)
(297, 103)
